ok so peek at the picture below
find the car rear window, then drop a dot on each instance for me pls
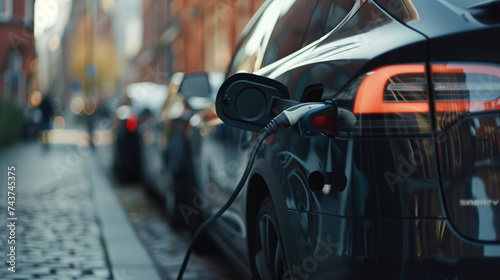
(289, 29)
(326, 16)
(248, 55)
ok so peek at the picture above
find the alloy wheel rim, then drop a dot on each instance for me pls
(269, 257)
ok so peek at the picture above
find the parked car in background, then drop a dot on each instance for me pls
(166, 148)
(139, 101)
(399, 179)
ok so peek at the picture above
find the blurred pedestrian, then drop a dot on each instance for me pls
(47, 111)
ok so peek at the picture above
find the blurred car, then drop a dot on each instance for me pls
(140, 101)
(396, 177)
(166, 148)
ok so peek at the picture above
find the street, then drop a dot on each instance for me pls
(59, 226)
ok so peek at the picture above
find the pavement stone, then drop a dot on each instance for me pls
(126, 253)
(70, 224)
(57, 231)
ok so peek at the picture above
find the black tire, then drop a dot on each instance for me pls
(268, 260)
(125, 173)
(204, 244)
(126, 163)
(117, 167)
(179, 182)
(173, 201)
(195, 216)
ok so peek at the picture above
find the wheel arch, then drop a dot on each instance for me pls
(259, 186)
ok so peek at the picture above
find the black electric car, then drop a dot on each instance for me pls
(396, 177)
(165, 145)
(139, 101)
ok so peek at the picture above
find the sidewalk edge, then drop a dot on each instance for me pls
(126, 253)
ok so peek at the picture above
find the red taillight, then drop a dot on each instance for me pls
(393, 89)
(131, 123)
(460, 89)
(391, 100)
(395, 100)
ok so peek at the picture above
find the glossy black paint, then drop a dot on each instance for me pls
(126, 155)
(388, 208)
(167, 147)
(470, 170)
(166, 150)
(453, 30)
(126, 147)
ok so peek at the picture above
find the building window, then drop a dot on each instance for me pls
(29, 14)
(5, 10)
(13, 77)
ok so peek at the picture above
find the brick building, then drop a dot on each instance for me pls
(190, 35)
(17, 49)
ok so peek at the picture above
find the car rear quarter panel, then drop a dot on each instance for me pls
(369, 39)
(454, 31)
(366, 178)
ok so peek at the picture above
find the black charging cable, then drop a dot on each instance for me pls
(286, 118)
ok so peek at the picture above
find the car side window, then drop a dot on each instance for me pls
(289, 31)
(249, 54)
(326, 16)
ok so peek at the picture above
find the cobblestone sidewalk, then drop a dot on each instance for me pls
(57, 233)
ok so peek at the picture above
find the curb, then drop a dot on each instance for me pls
(128, 259)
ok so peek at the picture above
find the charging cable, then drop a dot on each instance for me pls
(285, 119)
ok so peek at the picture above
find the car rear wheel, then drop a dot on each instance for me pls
(269, 258)
(118, 169)
(172, 201)
(180, 182)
